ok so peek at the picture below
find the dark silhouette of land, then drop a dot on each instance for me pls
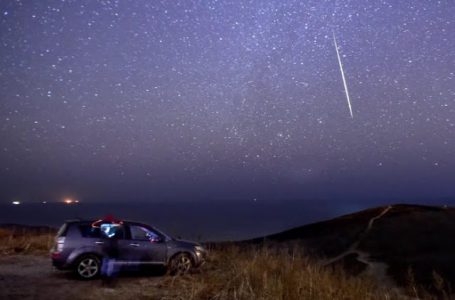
(400, 242)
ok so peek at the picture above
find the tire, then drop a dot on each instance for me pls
(88, 267)
(180, 264)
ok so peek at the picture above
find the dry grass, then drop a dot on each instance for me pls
(24, 242)
(236, 273)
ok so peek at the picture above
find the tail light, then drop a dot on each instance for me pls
(59, 242)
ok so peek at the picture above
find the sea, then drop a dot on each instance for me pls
(231, 220)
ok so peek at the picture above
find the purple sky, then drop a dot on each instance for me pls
(226, 100)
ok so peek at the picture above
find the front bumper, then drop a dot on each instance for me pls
(200, 257)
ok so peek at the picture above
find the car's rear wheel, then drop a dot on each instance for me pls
(180, 264)
(88, 267)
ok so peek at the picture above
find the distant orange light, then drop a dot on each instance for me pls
(68, 201)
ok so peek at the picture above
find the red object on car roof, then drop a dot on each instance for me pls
(106, 219)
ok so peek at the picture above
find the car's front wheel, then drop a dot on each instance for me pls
(180, 264)
(88, 267)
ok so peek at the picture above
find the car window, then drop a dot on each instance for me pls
(102, 231)
(143, 233)
(88, 231)
(62, 231)
(112, 230)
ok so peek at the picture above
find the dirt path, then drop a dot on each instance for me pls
(374, 268)
(370, 224)
(353, 248)
(33, 277)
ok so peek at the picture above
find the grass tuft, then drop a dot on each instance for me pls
(25, 243)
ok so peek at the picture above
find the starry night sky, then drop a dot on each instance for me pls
(226, 100)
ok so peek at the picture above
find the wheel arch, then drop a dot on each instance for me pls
(91, 256)
(180, 251)
(79, 256)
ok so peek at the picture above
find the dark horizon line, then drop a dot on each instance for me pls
(236, 199)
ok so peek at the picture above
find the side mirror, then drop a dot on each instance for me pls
(154, 238)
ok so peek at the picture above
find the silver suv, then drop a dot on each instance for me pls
(80, 246)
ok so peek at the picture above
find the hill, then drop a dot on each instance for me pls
(400, 242)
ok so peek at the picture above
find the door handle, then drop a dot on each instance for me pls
(134, 245)
(99, 243)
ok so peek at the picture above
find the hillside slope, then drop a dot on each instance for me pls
(405, 242)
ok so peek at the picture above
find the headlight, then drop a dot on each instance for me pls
(199, 248)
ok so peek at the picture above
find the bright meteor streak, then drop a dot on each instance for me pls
(342, 75)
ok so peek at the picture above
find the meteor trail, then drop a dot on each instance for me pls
(342, 75)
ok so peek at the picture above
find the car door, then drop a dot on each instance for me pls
(144, 246)
(111, 239)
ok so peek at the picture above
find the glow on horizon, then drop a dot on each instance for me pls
(70, 201)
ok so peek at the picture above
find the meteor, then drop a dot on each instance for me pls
(342, 75)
